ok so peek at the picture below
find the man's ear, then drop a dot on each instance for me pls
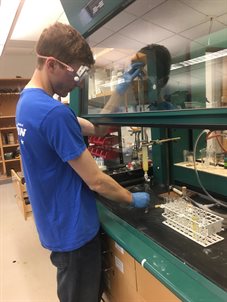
(50, 63)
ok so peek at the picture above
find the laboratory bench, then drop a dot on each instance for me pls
(190, 271)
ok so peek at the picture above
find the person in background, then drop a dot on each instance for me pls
(115, 100)
(61, 175)
(159, 57)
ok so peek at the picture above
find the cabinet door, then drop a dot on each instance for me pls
(121, 277)
(150, 289)
(128, 281)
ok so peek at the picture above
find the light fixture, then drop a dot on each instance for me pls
(9, 12)
(201, 59)
(35, 16)
(103, 52)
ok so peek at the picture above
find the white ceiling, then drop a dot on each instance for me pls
(173, 23)
(34, 17)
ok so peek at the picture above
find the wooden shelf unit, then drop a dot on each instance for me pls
(9, 95)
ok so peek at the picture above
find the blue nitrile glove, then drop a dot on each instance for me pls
(134, 71)
(140, 199)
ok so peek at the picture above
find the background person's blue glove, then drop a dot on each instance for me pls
(132, 73)
(140, 199)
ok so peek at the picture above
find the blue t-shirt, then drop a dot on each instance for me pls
(63, 205)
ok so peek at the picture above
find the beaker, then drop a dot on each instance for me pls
(208, 158)
(204, 157)
(188, 157)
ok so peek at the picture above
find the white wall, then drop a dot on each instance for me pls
(12, 65)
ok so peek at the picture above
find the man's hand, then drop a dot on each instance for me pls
(140, 199)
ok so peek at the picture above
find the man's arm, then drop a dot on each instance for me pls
(89, 129)
(87, 169)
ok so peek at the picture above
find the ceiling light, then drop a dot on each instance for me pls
(201, 59)
(9, 12)
(35, 16)
(103, 52)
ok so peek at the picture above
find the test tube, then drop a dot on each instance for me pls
(145, 157)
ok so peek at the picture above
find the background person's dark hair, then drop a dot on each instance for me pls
(161, 56)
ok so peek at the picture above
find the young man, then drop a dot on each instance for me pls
(60, 173)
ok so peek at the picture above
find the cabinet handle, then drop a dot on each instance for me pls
(106, 252)
(108, 269)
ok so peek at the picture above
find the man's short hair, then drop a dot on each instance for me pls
(65, 43)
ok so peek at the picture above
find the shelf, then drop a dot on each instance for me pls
(8, 128)
(10, 145)
(12, 83)
(98, 95)
(9, 94)
(7, 116)
(218, 170)
(4, 177)
(213, 178)
(12, 160)
(10, 89)
(212, 118)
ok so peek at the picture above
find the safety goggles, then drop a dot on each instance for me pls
(80, 74)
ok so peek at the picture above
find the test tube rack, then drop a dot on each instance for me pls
(194, 223)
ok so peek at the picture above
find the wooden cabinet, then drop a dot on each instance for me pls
(150, 288)
(9, 147)
(120, 275)
(127, 281)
